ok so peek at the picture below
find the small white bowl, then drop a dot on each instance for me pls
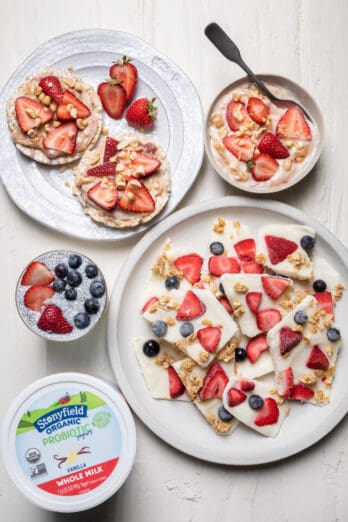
(301, 96)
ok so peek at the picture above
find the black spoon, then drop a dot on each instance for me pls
(228, 48)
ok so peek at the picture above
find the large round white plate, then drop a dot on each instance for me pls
(180, 424)
(41, 191)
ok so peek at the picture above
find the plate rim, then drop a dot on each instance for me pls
(174, 440)
(130, 232)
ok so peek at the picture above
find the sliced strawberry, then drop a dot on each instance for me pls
(301, 392)
(37, 274)
(246, 385)
(253, 300)
(176, 387)
(326, 302)
(317, 359)
(257, 110)
(110, 149)
(149, 164)
(53, 320)
(69, 98)
(264, 167)
(51, 85)
(288, 340)
(105, 169)
(125, 73)
(191, 307)
(149, 303)
(246, 249)
(293, 125)
(268, 414)
(104, 194)
(240, 146)
(279, 248)
(226, 304)
(136, 198)
(235, 397)
(113, 97)
(255, 347)
(190, 265)
(209, 337)
(28, 110)
(267, 318)
(272, 145)
(251, 267)
(285, 382)
(36, 296)
(274, 286)
(62, 138)
(219, 265)
(214, 383)
(236, 115)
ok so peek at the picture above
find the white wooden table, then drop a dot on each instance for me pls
(305, 40)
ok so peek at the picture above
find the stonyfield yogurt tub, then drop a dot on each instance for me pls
(239, 148)
(68, 442)
(61, 295)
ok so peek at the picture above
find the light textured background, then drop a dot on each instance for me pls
(305, 40)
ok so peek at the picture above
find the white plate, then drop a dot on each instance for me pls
(180, 424)
(40, 191)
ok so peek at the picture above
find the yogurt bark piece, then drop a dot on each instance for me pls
(205, 387)
(194, 322)
(155, 368)
(304, 348)
(251, 402)
(252, 358)
(286, 250)
(256, 300)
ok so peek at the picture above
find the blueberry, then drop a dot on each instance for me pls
(151, 348)
(333, 334)
(216, 248)
(159, 328)
(92, 305)
(221, 288)
(240, 354)
(300, 317)
(74, 261)
(70, 294)
(97, 288)
(172, 282)
(91, 271)
(61, 270)
(224, 415)
(255, 402)
(59, 285)
(307, 243)
(186, 329)
(319, 285)
(74, 278)
(82, 320)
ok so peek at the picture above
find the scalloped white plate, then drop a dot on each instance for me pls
(180, 424)
(41, 191)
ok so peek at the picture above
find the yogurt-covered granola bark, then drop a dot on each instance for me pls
(54, 117)
(304, 348)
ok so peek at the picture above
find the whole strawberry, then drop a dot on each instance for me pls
(142, 113)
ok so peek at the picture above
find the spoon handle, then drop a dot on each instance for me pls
(228, 48)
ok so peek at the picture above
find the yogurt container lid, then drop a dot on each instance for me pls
(68, 442)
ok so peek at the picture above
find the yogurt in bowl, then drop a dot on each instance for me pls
(258, 146)
(68, 442)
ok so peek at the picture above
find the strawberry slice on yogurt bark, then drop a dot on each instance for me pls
(257, 300)
(156, 362)
(253, 404)
(194, 322)
(287, 249)
(304, 347)
(205, 387)
(252, 358)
